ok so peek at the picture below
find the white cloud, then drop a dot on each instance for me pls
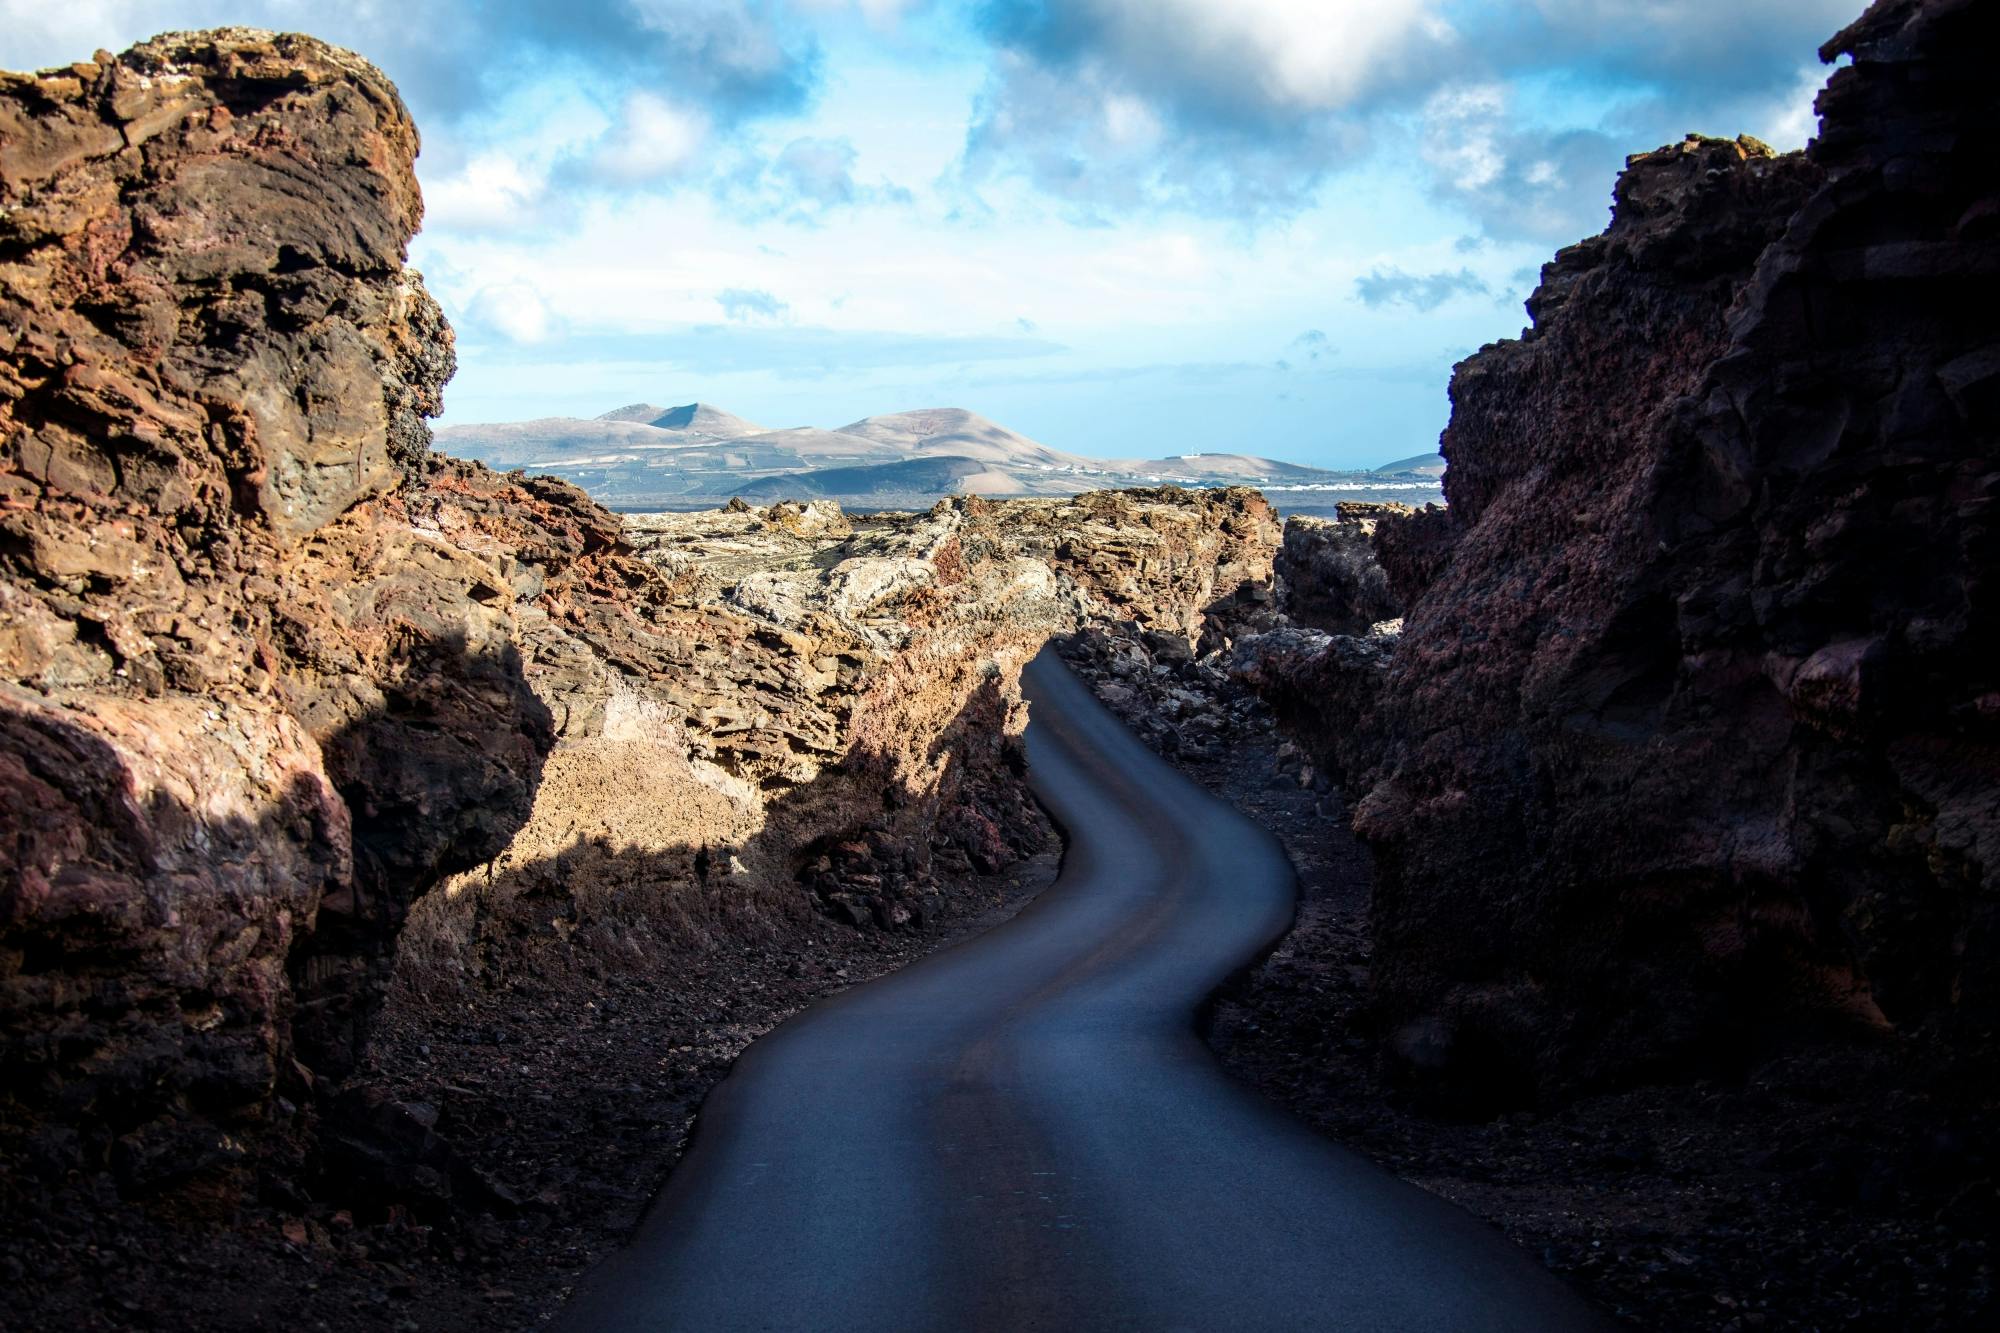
(1792, 120)
(1461, 135)
(880, 13)
(1243, 165)
(1128, 121)
(652, 140)
(1319, 54)
(1307, 55)
(821, 170)
(515, 311)
(1239, 108)
(493, 190)
(1518, 181)
(734, 40)
(804, 183)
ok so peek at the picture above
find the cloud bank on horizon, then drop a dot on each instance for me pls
(1120, 226)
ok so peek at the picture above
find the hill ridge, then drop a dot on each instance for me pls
(643, 454)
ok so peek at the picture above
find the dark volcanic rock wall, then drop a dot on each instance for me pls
(1695, 721)
(1327, 572)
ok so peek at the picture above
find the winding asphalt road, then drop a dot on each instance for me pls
(1025, 1132)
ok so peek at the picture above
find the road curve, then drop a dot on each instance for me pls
(1025, 1132)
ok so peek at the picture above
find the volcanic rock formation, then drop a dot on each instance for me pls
(270, 672)
(1694, 722)
(230, 671)
(1328, 574)
(765, 714)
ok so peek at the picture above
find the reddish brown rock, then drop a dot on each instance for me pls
(1691, 729)
(271, 676)
(248, 712)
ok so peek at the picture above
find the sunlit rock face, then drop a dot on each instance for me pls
(215, 373)
(1692, 723)
(780, 716)
(204, 244)
(271, 673)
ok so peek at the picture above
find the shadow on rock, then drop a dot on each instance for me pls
(198, 920)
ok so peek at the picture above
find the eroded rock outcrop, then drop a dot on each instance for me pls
(768, 714)
(1692, 724)
(1329, 577)
(229, 668)
(271, 674)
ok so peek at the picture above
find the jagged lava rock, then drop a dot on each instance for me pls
(248, 711)
(770, 716)
(271, 674)
(1328, 575)
(1692, 725)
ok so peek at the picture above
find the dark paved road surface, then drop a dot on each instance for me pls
(1024, 1132)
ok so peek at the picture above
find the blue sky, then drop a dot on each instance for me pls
(1123, 227)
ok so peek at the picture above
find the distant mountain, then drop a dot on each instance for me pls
(645, 456)
(643, 413)
(1423, 465)
(701, 419)
(810, 442)
(550, 443)
(1249, 469)
(956, 433)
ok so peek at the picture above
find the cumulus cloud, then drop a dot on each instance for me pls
(821, 170)
(492, 191)
(1518, 182)
(453, 58)
(745, 304)
(1656, 69)
(1387, 286)
(1247, 107)
(802, 182)
(1238, 108)
(515, 312)
(495, 83)
(1244, 61)
(1080, 137)
(1241, 107)
(652, 140)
